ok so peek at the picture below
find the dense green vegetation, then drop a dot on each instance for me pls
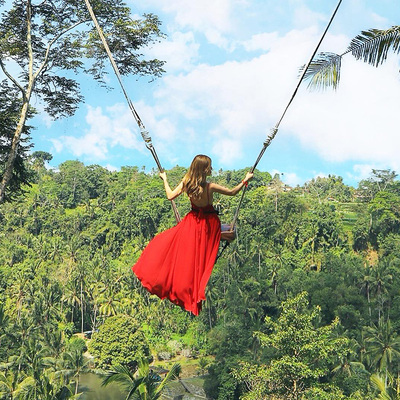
(304, 305)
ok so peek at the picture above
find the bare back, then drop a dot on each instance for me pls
(207, 195)
(205, 199)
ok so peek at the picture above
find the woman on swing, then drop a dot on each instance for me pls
(178, 262)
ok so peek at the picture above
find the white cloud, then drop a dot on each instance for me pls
(202, 15)
(238, 101)
(304, 16)
(213, 18)
(57, 145)
(358, 122)
(111, 168)
(229, 102)
(42, 115)
(120, 126)
(360, 172)
(46, 119)
(379, 21)
(228, 150)
(162, 129)
(291, 179)
(179, 52)
(105, 131)
(364, 171)
(262, 41)
(320, 175)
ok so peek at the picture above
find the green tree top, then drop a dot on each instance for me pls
(49, 40)
(120, 341)
(304, 353)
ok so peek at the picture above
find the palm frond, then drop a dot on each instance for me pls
(324, 71)
(143, 367)
(120, 374)
(373, 46)
(379, 383)
(133, 393)
(24, 388)
(172, 374)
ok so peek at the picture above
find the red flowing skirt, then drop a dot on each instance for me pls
(177, 263)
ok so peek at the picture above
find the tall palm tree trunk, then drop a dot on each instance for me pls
(81, 307)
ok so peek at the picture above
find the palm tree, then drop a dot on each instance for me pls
(54, 342)
(81, 280)
(276, 186)
(257, 248)
(380, 278)
(274, 267)
(362, 349)
(11, 389)
(346, 364)
(383, 346)
(20, 332)
(366, 286)
(385, 393)
(211, 294)
(247, 299)
(53, 387)
(55, 249)
(372, 46)
(51, 297)
(142, 384)
(73, 247)
(18, 291)
(109, 303)
(76, 364)
(33, 375)
(95, 288)
(4, 320)
(71, 296)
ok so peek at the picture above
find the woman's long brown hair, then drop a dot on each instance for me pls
(194, 181)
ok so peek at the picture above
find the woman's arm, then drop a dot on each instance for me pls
(171, 194)
(231, 192)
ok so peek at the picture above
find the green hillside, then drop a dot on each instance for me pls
(315, 265)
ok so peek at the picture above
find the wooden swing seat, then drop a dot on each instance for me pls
(228, 233)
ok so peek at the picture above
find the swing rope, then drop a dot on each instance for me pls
(146, 136)
(143, 131)
(274, 131)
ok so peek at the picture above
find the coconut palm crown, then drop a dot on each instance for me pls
(372, 46)
(142, 383)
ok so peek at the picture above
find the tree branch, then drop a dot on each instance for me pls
(46, 57)
(11, 78)
(40, 4)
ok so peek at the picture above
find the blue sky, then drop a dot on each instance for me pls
(232, 66)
